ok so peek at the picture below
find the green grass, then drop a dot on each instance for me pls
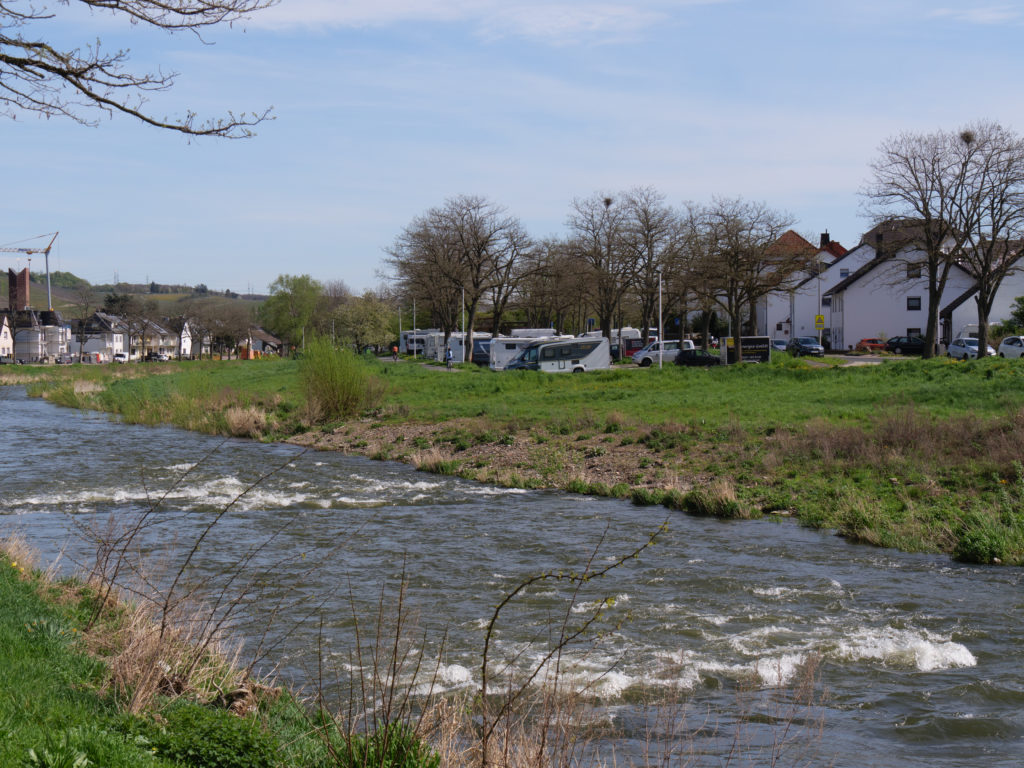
(49, 699)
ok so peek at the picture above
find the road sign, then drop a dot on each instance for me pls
(819, 322)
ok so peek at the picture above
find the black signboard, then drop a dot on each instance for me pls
(756, 349)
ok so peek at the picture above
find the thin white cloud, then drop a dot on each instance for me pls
(556, 22)
(986, 15)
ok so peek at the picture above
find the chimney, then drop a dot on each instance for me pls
(825, 240)
(878, 244)
(21, 295)
(17, 290)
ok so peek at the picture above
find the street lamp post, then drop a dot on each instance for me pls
(661, 333)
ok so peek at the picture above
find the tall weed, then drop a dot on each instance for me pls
(337, 384)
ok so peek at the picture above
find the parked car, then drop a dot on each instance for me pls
(65, 359)
(779, 345)
(905, 345)
(870, 345)
(1012, 347)
(120, 357)
(697, 357)
(805, 345)
(965, 349)
(668, 348)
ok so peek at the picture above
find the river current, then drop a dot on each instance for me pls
(921, 658)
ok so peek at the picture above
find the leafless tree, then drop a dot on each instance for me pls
(992, 214)
(922, 181)
(464, 249)
(652, 235)
(421, 260)
(598, 226)
(37, 75)
(736, 264)
(554, 289)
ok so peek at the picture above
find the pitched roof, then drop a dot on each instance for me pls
(791, 242)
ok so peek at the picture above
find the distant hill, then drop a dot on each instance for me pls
(67, 289)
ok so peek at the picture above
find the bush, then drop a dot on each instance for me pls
(336, 382)
(213, 738)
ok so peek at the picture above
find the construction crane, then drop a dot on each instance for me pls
(46, 252)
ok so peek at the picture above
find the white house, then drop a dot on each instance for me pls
(6, 337)
(887, 296)
(100, 337)
(962, 310)
(783, 314)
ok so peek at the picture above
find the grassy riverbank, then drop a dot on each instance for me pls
(71, 684)
(918, 455)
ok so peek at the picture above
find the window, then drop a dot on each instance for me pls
(913, 303)
(843, 274)
(914, 332)
(913, 271)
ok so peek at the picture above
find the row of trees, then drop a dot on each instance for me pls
(622, 255)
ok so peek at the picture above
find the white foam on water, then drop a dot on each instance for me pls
(919, 649)
(181, 467)
(592, 605)
(779, 670)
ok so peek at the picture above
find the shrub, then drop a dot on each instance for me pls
(645, 497)
(716, 500)
(212, 738)
(337, 384)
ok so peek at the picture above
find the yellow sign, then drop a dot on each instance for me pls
(819, 322)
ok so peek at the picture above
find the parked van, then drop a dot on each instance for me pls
(505, 349)
(665, 349)
(564, 356)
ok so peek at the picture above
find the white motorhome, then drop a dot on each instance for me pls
(564, 356)
(504, 349)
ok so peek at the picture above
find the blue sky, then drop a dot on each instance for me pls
(385, 108)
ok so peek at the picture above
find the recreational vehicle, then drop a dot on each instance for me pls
(626, 341)
(504, 349)
(563, 356)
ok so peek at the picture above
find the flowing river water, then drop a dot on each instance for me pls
(921, 659)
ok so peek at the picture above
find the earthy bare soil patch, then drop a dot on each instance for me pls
(528, 458)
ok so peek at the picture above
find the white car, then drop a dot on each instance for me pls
(1011, 346)
(666, 349)
(964, 349)
(120, 357)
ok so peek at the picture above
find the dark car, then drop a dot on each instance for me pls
(805, 345)
(697, 357)
(905, 345)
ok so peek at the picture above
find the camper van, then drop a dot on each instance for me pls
(504, 349)
(625, 341)
(564, 356)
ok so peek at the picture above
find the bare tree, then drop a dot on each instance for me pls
(598, 225)
(652, 234)
(422, 259)
(992, 213)
(735, 260)
(80, 81)
(922, 181)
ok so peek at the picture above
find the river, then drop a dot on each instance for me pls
(921, 658)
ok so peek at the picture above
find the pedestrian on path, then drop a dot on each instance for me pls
(448, 356)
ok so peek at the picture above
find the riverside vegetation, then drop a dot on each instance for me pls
(917, 455)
